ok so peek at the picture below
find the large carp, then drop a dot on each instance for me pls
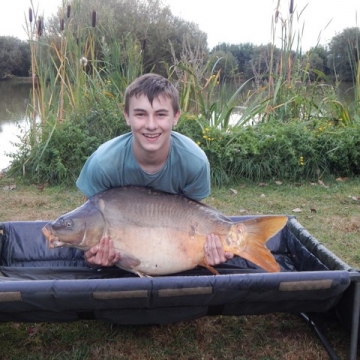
(158, 233)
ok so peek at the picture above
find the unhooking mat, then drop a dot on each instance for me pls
(41, 284)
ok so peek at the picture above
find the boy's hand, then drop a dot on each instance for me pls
(103, 254)
(214, 252)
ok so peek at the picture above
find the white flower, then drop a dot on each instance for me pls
(83, 61)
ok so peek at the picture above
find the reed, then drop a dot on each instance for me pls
(203, 95)
(31, 26)
(357, 81)
(74, 70)
(75, 62)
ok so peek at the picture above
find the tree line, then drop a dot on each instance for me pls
(162, 39)
(14, 57)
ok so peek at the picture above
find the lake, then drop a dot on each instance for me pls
(14, 97)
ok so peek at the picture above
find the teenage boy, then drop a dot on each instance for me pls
(152, 155)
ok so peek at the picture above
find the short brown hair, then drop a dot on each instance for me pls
(152, 86)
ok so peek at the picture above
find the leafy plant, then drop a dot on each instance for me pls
(293, 151)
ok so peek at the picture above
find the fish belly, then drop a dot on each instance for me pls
(159, 251)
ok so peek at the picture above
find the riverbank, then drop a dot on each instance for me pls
(15, 79)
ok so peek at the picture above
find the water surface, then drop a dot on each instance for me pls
(14, 97)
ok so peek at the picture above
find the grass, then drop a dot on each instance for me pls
(334, 220)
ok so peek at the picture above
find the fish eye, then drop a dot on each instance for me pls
(62, 224)
(69, 223)
(66, 223)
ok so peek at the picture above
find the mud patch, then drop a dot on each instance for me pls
(346, 225)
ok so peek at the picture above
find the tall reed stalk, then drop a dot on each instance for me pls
(289, 91)
(69, 65)
(74, 70)
(34, 26)
(203, 95)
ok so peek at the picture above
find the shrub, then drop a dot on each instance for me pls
(341, 145)
(292, 151)
(65, 146)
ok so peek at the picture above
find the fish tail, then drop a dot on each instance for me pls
(248, 238)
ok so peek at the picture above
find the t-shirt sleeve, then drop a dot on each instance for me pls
(199, 188)
(92, 178)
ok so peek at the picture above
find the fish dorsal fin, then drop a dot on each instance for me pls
(248, 239)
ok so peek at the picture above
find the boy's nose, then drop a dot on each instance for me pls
(151, 122)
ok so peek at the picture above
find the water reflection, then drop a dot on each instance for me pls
(14, 97)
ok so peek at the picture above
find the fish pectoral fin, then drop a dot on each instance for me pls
(127, 261)
(141, 274)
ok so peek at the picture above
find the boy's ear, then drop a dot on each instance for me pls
(176, 118)
(127, 118)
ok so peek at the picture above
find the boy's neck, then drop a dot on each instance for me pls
(151, 162)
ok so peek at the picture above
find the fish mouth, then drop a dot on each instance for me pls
(52, 240)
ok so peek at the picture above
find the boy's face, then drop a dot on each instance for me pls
(151, 125)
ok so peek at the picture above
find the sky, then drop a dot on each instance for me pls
(230, 21)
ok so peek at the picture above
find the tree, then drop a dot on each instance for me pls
(174, 31)
(14, 57)
(151, 25)
(24, 68)
(260, 65)
(316, 59)
(225, 62)
(242, 52)
(344, 53)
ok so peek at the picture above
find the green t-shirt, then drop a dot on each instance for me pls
(186, 171)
